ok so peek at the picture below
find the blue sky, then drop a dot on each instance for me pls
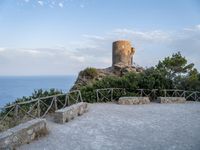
(58, 37)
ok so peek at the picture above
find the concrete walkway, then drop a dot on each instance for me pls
(127, 127)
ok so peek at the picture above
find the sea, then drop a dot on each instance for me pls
(13, 87)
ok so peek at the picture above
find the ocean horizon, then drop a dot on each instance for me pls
(13, 87)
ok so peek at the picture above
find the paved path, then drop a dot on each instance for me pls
(127, 127)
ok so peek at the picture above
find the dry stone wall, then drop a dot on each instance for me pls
(171, 99)
(22, 134)
(69, 113)
(133, 100)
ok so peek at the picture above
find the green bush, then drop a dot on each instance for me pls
(89, 73)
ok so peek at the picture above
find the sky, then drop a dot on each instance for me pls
(62, 37)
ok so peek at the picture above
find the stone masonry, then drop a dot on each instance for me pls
(171, 99)
(22, 134)
(133, 100)
(122, 53)
(68, 113)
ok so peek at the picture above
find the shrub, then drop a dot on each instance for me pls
(89, 73)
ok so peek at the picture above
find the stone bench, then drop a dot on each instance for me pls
(133, 100)
(23, 134)
(68, 113)
(171, 99)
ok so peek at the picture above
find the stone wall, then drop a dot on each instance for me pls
(69, 113)
(22, 134)
(171, 99)
(133, 100)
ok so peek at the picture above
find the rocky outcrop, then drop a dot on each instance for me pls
(117, 70)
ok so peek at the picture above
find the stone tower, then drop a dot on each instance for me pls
(122, 53)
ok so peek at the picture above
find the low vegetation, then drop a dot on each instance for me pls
(89, 73)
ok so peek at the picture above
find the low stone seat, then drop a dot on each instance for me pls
(23, 133)
(171, 99)
(68, 113)
(133, 100)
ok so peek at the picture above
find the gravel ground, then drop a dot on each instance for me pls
(127, 127)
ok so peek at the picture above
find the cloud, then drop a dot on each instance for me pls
(82, 5)
(2, 49)
(96, 51)
(150, 36)
(93, 37)
(60, 5)
(41, 3)
(151, 46)
(55, 3)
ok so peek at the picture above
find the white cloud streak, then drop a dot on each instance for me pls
(41, 3)
(55, 3)
(60, 5)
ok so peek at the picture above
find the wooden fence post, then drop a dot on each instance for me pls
(195, 96)
(141, 90)
(38, 108)
(111, 94)
(55, 103)
(16, 111)
(97, 91)
(80, 96)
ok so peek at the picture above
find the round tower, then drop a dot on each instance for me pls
(122, 53)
